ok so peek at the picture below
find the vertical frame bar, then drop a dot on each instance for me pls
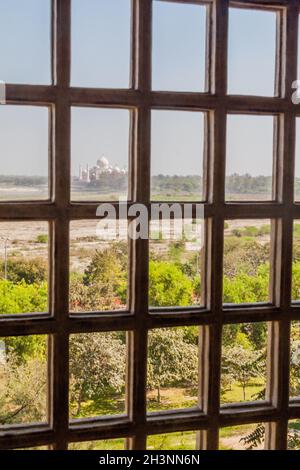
(281, 391)
(62, 175)
(220, 28)
(140, 248)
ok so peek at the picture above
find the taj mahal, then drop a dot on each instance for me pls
(102, 167)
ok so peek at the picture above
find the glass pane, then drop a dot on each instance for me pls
(297, 161)
(179, 33)
(23, 267)
(106, 444)
(100, 143)
(244, 358)
(251, 57)
(176, 263)
(295, 360)
(172, 441)
(97, 374)
(296, 262)
(249, 158)
(246, 261)
(177, 160)
(101, 43)
(98, 268)
(23, 380)
(294, 435)
(245, 437)
(24, 151)
(25, 41)
(172, 381)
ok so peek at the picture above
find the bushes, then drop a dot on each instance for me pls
(22, 297)
(172, 282)
(251, 231)
(244, 256)
(28, 270)
(169, 286)
(43, 238)
(245, 288)
(23, 389)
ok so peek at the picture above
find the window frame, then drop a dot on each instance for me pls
(60, 210)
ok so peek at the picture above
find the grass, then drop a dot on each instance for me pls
(171, 398)
(99, 407)
(230, 438)
(172, 441)
(235, 394)
(108, 444)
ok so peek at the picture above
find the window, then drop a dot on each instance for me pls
(122, 116)
(110, 70)
(247, 60)
(249, 158)
(24, 142)
(178, 47)
(106, 133)
(26, 58)
(177, 137)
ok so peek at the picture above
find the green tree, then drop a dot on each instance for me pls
(169, 286)
(24, 348)
(92, 297)
(172, 360)
(296, 281)
(23, 389)
(97, 366)
(108, 271)
(108, 266)
(244, 256)
(244, 288)
(242, 364)
(295, 360)
(22, 297)
(30, 271)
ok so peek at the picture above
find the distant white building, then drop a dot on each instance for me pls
(102, 167)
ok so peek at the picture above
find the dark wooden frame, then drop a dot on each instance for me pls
(59, 211)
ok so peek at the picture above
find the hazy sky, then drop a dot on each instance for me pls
(187, 128)
(100, 57)
(253, 131)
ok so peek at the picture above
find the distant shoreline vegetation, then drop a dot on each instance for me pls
(20, 180)
(235, 183)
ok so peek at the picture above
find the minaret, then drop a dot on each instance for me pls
(88, 180)
(80, 173)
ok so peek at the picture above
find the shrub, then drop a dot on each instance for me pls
(169, 286)
(42, 238)
(28, 270)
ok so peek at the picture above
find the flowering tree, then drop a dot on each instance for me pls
(97, 366)
(172, 360)
(242, 364)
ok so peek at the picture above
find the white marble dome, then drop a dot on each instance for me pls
(103, 162)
